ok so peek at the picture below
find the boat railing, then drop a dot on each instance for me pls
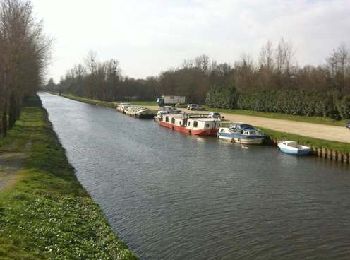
(197, 115)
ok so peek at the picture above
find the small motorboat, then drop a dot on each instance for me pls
(292, 147)
(241, 133)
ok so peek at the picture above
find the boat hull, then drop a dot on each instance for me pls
(237, 138)
(185, 130)
(145, 116)
(295, 152)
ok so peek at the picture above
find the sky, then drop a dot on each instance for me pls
(151, 36)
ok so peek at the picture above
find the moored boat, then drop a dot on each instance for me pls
(292, 147)
(241, 133)
(122, 107)
(193, 124)
(139, 112)
(144, 113)
(131, 110)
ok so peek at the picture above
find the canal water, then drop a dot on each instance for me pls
(172, 196)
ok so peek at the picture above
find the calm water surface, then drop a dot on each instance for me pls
(171, 196)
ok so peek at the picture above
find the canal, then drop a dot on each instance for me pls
(172, 196)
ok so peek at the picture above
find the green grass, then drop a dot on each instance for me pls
(47, 214)
(108, 104)
(312, 142)
(91, 101)
(314, 120)
(144, 103)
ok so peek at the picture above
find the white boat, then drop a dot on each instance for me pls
(192, 124)
(122, 107)
(241, 133)
(131, 110)
(139, 112)
(292, 147)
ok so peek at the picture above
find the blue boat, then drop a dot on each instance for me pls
(291, 147)
(241, 133)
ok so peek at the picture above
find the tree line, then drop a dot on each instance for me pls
(23, 55)
(273, 81)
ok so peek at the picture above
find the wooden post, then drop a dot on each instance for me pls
(346, 158)
(339, 157)
(329, 153)
(319, 152)
(334, 155)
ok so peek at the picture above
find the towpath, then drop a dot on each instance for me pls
(10, 164)
(321, 131)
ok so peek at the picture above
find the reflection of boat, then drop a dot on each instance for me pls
(291, 147)
(241, 133)
(193, 124)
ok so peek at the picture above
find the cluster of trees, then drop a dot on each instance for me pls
(103, 81)
(273, 82)
(23, 55)
(296, 102)
(277, 84)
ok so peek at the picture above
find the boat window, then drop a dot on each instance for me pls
(173, 120)
(195, 124)
(189, 124)
(167, 119)
(207, 125)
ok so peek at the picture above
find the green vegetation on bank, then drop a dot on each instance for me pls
(105, 103)
(144, 103)
(46, 213)
(309, 141)
(91, 101)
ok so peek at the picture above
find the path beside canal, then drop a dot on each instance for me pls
(320, 131)
(10, 164)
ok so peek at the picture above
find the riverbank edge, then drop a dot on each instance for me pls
(90, 101)
(46, 213)
(331, 149)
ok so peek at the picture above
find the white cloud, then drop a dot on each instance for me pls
(150, 36)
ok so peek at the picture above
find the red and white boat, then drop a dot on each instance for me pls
(193, 124)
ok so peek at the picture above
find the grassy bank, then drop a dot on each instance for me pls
(107, 104)
(144, 103)
(309, 141)
(91, 101)
(46, 213)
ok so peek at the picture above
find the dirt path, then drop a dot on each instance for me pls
(10, 164)
(326, 132)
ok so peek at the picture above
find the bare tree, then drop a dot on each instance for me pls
(24, 51)
(266, 56)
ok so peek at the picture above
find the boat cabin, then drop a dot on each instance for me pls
(202, 123)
